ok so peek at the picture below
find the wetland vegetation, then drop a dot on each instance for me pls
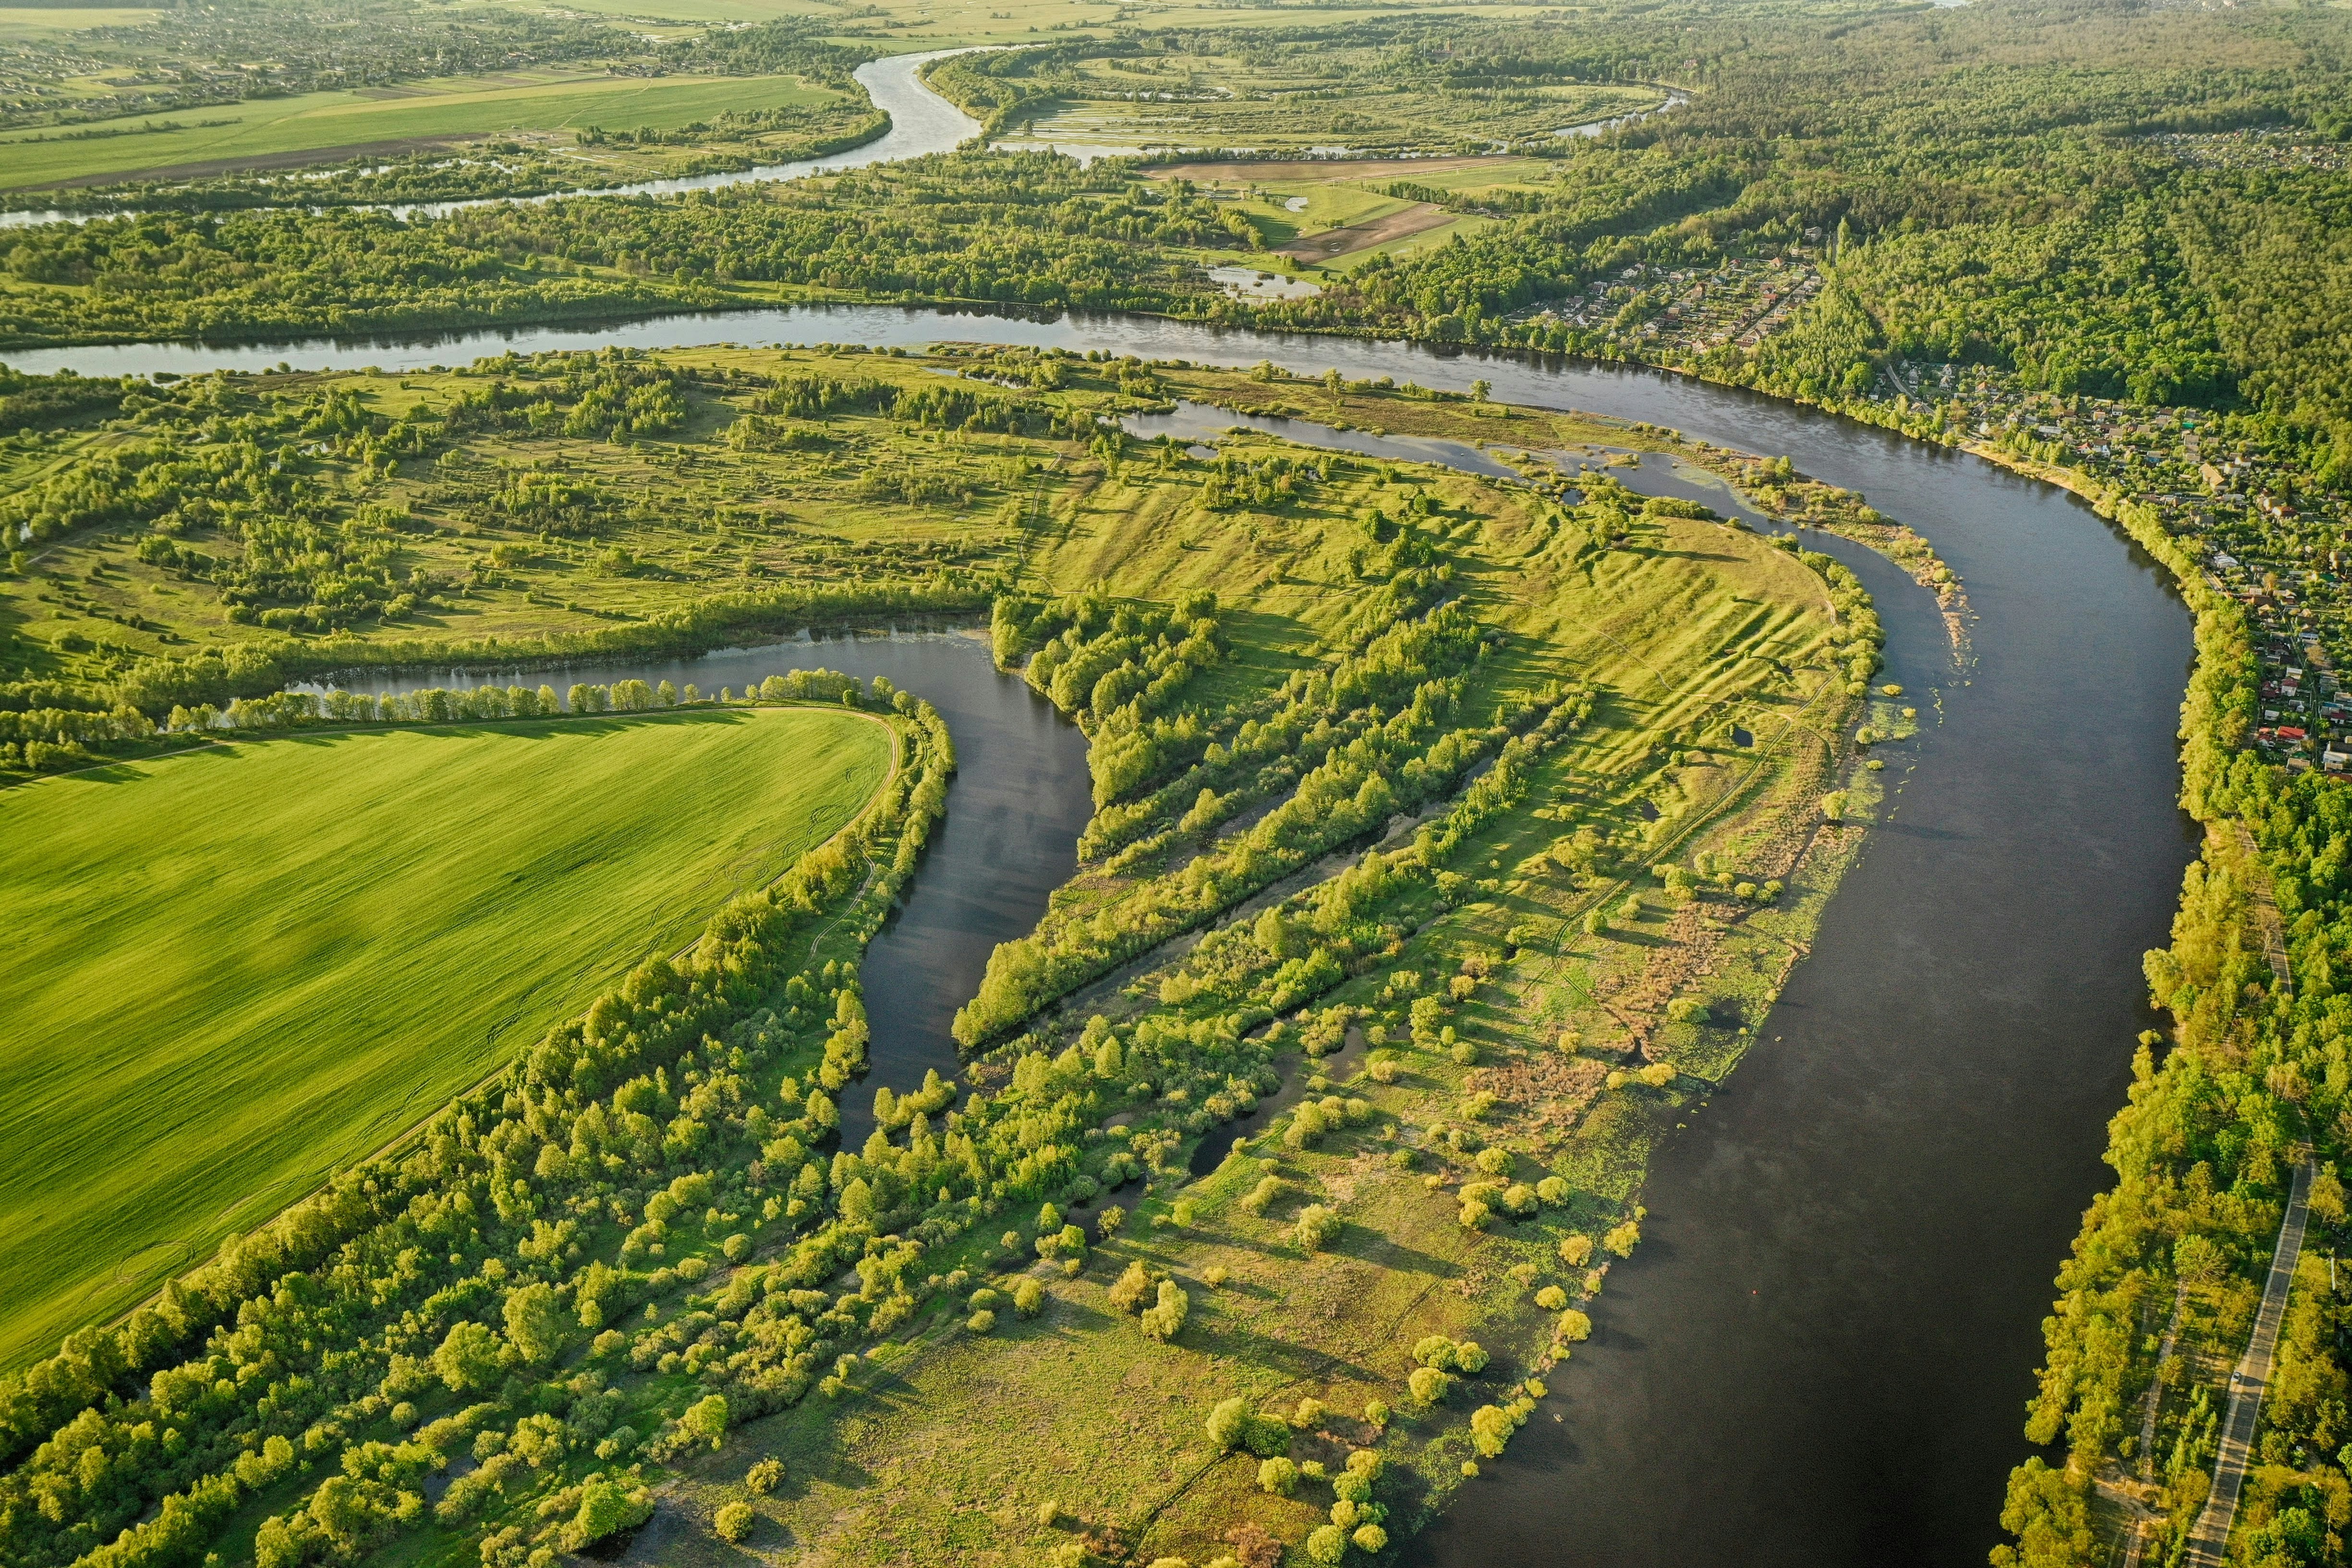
(1451, 833)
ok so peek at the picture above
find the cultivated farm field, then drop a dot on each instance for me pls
(315, 124)
(200, 1017)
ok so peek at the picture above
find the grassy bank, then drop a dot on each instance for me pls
(200, 1029)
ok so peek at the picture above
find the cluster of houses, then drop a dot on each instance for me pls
(1679, 312)
(2269, 538)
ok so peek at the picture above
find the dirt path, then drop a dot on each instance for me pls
(2209, 1543)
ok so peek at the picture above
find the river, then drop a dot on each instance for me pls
(921, 122)
(1020, 797)
(1822, 1352)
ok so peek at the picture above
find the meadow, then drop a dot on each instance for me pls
(318, 126)
(1275, 93)
(242, 966)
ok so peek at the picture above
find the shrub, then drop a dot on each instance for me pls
(1552, 1191)
(1519, 1198)
(1551, 1298)
(1278, 1475)
(1229, 1424)
(1028, 1297)
(606, 1508)
(1112, 1219)
(706, 1418)
(1131, 1288)
(1434, 1350)
(1623, 1238)
(1261, 1197)
(1215, 1275)
(981, 1322)
(764, 1477)
(1308, 1416)
(733, 1522)
(1574, 1326)
(1352, 1486)
(1327, 1544)
(1370, 1538)
(1316, 1227)
(1470, 1356)
(983, 1299)
(1429, 1385)
(1383, 1070)
(1376, 1412)
(1495, 1161)
(1575, 1250)
(1475, 1215)
(1308, 1124)
(1165, 1320)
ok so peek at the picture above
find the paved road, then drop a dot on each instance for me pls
(2209, 1543)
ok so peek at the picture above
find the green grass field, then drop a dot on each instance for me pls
(237, 967)
(540, 101)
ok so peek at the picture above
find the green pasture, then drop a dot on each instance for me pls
(24, 22)
(237, 967)
(325, 122)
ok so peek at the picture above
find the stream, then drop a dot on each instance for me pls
(1822, 1352)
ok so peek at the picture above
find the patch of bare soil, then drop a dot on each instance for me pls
(1418, 218)
(293, 160)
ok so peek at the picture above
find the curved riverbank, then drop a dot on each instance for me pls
(919, 122)
(1848, 1255)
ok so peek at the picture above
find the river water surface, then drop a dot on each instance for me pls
(1019, 796)
(1822, 1352)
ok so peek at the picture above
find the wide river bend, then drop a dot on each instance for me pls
(1819, 1357)
(1821, 1354)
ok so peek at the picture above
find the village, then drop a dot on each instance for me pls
(2268, 537)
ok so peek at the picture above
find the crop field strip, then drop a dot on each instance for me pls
(200, 1041)
(322, 126)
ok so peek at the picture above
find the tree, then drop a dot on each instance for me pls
(1327, 1544)
(1429, 1385)
(1230, 1421)
(1316, 1227)
(470, 1357)
(534, 1315)
(1165, 1320)
(706, 1418)
(1278, 1475)
(764, 1477)
(733, 1522)
(1623, 1238)
(606, 1506)
(1028, 1297)
(1130, 1291)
